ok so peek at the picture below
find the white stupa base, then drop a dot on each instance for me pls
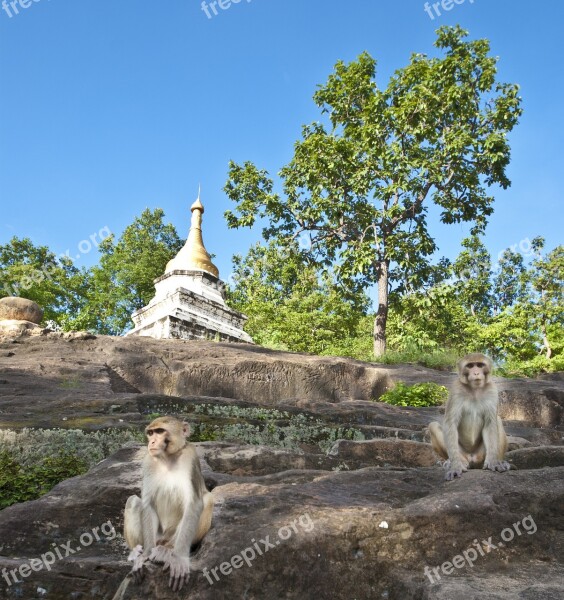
(190, 315)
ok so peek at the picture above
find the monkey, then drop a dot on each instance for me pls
(472, 434)
(175, 508)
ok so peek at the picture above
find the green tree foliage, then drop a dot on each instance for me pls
(123, 281)
(513, 312)
(473, 272)
(430, 320)
(36, 273)
(102, 298)
(360, 184)
(22, 483)
(292, 307)
(547, 282)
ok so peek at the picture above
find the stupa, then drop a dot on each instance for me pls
(189, 300)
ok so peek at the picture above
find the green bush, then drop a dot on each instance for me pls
(30, 446)
(420, 394)
(533, 367)
(438, 359)
(32, 461)
(19, 483)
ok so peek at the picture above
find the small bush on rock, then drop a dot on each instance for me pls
(19, 484)
(420, 394)
(32, 461)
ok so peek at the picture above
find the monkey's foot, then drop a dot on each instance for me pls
(454, 470)
(135, 553)
(497, 465)
(139, 559)
(179, 567)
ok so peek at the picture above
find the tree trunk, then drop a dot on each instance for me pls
(382, 313)
(545, 341)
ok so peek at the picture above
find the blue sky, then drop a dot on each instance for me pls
(111, 107)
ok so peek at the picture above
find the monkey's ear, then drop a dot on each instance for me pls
(186, 429)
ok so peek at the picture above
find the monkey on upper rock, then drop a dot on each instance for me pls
(472, 434)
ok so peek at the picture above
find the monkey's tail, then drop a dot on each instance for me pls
(122, 588)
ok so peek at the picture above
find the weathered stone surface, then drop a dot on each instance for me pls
(20, 309)
(516, 443)
(80, 376)
(380, 515)
(536, 458)
(363, 534)
(519, 401)
(385, 453)
(13, 328)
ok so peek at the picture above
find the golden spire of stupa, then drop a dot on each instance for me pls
(193, 254)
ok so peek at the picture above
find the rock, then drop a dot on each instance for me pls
(12, 328)
(516, 443)
(20, 309)
(361, 534)
(385, 453)
(537, 458)
(360, 522)
(108, 371)
(520, 402)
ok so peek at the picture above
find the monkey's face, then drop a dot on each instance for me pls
(166, 436)
(476, 374)
(158, 440)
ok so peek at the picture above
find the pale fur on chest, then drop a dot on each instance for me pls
(170, 497)
(472, 419)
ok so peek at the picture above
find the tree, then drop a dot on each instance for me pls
(291, 306)
(360, 185)
(547, 280)
(509, 284)
(123, 282)
(473, 273)
(430, 320)
(36, 273)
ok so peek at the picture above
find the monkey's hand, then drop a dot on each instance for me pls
(454, 470)
(160, 554)
(179, 571)
(496, 465)
(139, 559)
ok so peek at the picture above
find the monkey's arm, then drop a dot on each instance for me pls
(453, 416)
(150, 523)
(491, 439)
(141, 554)
(177, 560)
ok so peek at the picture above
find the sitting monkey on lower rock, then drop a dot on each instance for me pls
(472, 433)
(175, 508)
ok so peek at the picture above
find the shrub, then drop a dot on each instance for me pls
(19, 484)
(420, 394)
(439, 359)
(33, 461)
(532, 367)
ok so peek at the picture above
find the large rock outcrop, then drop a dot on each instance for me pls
(325, 534)
(362, 520)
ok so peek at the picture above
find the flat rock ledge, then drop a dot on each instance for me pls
(369, 519)
(308, 533)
